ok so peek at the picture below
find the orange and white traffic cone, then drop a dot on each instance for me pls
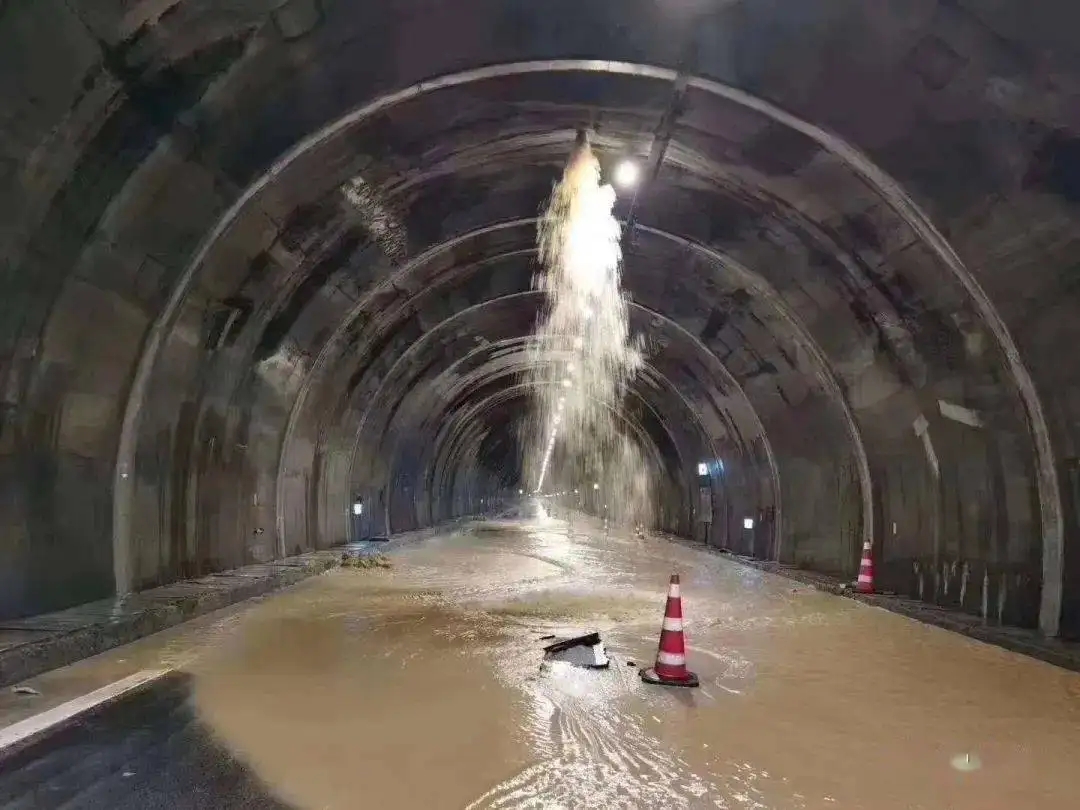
(865, 582)
(670, 669)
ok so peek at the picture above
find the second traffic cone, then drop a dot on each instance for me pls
(670, 669)
(865, 582)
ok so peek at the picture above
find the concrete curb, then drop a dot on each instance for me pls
(1025, 642)
(41, 643)
(31, 646)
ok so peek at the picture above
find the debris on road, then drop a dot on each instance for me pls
(378, 561)
(582, 651)
(26, 690)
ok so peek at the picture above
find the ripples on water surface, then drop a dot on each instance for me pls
(422, 687)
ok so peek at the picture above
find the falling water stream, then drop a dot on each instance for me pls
(425, 685)
(583, 355)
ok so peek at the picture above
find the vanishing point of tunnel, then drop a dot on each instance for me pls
(268, 291)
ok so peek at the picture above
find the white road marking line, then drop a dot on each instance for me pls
(39, 724)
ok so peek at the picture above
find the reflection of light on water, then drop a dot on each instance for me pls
(554, 545)
(966, 762)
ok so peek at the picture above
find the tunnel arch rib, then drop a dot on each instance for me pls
(1046, 475)
(457, 319)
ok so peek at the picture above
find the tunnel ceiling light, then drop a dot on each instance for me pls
(748, 523)
(627, 174)
(711, 467)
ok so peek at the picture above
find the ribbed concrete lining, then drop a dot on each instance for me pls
(1049, 495)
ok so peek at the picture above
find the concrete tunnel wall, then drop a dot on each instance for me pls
(158, 400)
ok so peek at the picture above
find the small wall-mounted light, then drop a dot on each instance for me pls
(596, 486)
(703, 468)
(358, 508)
(748, 523)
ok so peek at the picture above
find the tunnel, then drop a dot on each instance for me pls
(267, 261)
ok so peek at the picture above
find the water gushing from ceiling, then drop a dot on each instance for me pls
(579, 440)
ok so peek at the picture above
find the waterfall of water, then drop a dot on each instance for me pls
(583, 356)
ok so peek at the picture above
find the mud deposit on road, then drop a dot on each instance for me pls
(421, 686)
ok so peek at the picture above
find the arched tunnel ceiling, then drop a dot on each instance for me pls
(300, 219)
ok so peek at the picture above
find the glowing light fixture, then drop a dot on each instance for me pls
(358, 508)
(627, 174)
(596, 486)
(748, 523)
(710, 467)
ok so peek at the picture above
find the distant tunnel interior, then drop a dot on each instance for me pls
(263, 264)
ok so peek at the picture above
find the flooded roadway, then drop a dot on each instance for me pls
(422, 687)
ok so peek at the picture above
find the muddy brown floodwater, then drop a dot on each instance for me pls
(421, 687)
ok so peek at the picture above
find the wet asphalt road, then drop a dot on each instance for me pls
(422, 687)
(146, 752)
